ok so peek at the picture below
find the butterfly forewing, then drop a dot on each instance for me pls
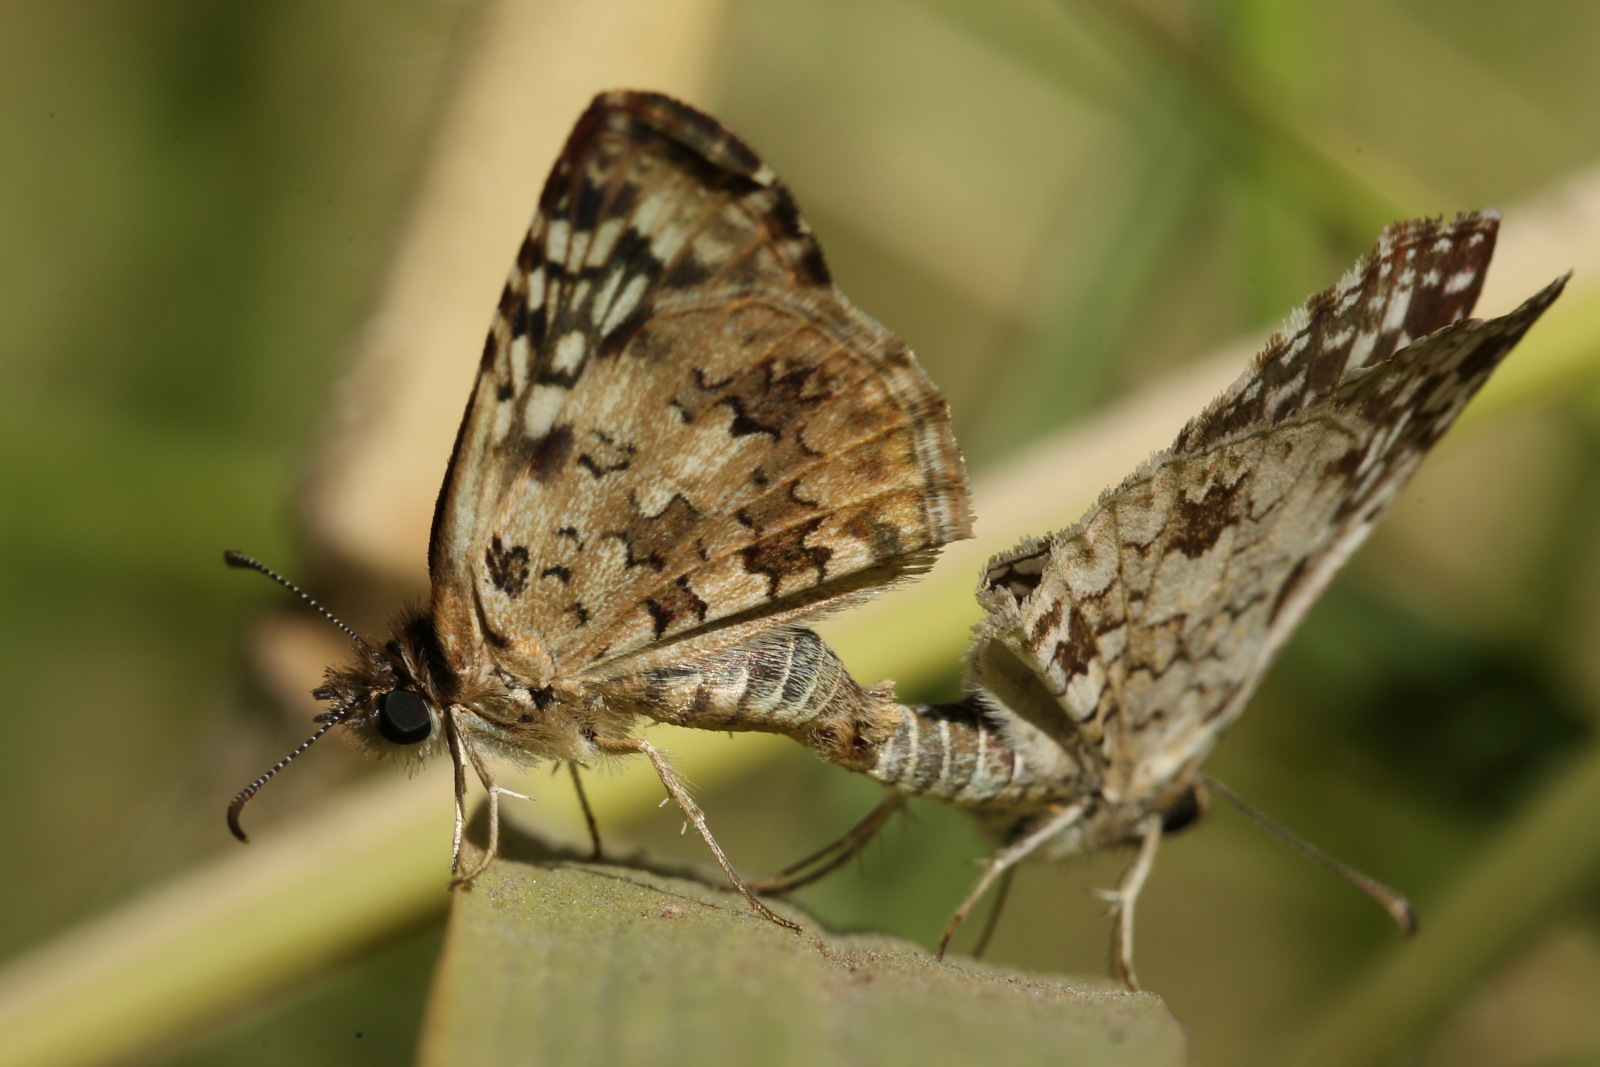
(1421, 276)
(681, 431)
(1135, 636)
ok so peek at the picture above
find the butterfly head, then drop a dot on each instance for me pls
(385, 699)
(388, 697)
(1108, 821)
(1183, 810)
(1179, 803)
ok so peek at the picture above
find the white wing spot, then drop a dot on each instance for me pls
(608, 293)
(647, 216)
(556, 240)
(1399, 305)
(501, 422)
(536, 289)
(580, 293)
(1287, 390)
(543, 406)
(605, 239)
(1082, 694)
(1362, 348)
(569, 353)
(625, 303)
(666, 243)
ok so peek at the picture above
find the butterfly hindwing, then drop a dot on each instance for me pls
(681, 431)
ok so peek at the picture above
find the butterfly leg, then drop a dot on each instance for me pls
(1123, 898)
(458, 761)
(464, 753)
(836, 853)
(1007, 858)
(1001, 895)
(596, 853)
(691, 811)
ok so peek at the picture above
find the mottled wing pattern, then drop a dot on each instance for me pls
(1421, 276)
(681, 430)
(1135, 636)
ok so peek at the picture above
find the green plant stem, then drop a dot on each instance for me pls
(1351, 190)
(304, 896)
(252, 921)
(1546, 855)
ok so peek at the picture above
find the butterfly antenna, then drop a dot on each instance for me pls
(255, 787)
(238, 559)
(1398, 907)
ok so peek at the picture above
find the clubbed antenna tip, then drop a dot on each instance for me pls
(1391, 901)
(255, 787)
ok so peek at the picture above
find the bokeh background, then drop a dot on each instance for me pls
(1056, 203)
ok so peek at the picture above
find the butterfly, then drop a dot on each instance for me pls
(682, 436)
(1113, 654)
(1118, 650)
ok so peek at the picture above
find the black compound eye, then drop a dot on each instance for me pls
(1183, 812)
(403, 717)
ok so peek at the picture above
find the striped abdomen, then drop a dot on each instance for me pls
(961, 753)
(785, 682)
(968, 752)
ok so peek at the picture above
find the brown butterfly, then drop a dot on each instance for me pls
(682, 437)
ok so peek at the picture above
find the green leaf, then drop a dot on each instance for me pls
(555, 961)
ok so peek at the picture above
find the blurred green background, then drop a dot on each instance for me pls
(1055, 203)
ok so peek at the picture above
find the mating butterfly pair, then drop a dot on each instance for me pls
(684, 444)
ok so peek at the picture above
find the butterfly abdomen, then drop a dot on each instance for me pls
(786, 682)
(961, 753)
(789, 682)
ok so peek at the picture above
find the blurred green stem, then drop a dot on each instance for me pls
(1497, 907)
(1352, 190)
